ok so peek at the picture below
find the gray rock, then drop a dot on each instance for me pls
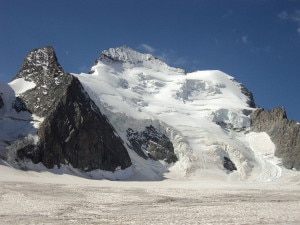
(228, 164)
(74, 131)
(283, 132)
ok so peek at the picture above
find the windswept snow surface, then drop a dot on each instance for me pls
(30, 197)
(204, 113)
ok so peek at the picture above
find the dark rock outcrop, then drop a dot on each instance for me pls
(249, 94)
(152, 144)
(19, 105)
(1, 102)
(228, 164)
(73, 130)
(283, 132)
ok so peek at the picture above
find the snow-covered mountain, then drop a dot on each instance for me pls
(172, 123)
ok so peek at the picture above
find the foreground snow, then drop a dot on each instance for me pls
(28, 197)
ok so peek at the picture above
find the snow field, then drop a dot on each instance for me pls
(21, 85)
(28, 197)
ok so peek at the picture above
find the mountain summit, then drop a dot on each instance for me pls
(129, 58)
(126, 54)
(135, 117)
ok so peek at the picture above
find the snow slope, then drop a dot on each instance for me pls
(205, 114)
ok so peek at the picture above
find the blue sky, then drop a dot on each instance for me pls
(256, 41)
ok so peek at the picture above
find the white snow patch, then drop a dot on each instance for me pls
(36, 121)
(263, 144)
(264, 150)
(20, 85)
(118, 174)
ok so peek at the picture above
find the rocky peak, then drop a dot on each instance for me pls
(40, 62)
(42, 68)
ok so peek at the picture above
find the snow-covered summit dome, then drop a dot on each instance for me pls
(129, 58)
(126, 54)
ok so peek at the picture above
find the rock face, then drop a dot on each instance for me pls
(73, 130)
(152, 144)
(284, 133)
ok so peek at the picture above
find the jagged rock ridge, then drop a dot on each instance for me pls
(284, 133)
(73, 131)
